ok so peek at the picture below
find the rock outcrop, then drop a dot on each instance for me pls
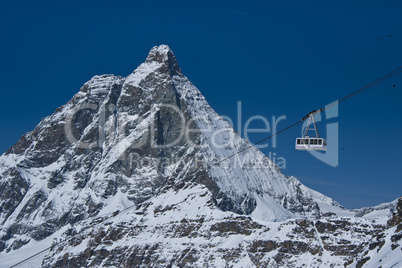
(131, 165)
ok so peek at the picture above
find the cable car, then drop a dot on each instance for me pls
(307, 143)
(313, 144)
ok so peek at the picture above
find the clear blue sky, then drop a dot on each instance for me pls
(277, 57)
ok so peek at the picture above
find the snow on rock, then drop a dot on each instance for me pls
(139, 159)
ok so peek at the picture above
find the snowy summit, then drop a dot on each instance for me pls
(128, 173)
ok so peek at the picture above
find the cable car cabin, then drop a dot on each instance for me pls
(311, 144)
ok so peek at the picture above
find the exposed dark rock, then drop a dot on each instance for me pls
(397, 215)
(361, 262)
(108, 145)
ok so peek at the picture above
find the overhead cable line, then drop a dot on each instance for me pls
(380, 80)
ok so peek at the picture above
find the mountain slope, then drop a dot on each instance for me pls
(85, 154)
(134, 142)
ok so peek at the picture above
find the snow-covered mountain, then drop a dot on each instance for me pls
(133, 171)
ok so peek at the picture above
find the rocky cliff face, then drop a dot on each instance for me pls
(189, 231)
(150, 145)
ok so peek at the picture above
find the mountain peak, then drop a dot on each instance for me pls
(163, 54)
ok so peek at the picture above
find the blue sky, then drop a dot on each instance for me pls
(277, 58)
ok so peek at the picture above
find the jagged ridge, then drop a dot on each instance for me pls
(84, 160)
